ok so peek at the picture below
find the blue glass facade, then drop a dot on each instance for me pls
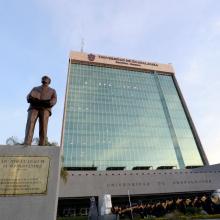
(125, 118)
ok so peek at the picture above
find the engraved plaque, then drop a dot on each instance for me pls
(23, 175)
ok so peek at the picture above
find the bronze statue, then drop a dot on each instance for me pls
(41, 99)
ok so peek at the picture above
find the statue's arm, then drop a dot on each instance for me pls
(53, 100)
(32, 97)
(29, 97)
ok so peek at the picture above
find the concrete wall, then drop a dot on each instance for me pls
(97, 183)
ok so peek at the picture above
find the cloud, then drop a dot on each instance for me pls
(186, 34)
(200, 80)
(120, 25)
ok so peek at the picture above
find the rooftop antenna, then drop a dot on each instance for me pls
(82, 44)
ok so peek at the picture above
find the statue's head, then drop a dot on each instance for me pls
(45, 80)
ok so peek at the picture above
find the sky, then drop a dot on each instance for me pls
(37, 36)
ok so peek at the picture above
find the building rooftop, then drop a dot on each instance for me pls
(124, 63)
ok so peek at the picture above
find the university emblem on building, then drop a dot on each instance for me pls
(91, 57)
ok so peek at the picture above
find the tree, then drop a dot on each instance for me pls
(13, 141)
(48, 143)
(63, 172)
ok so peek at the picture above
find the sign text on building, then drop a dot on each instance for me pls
(127, 61)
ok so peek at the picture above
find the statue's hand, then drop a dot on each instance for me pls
(45, 103)
(51, 103)
(33, 100)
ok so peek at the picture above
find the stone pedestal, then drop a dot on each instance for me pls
(29, 182)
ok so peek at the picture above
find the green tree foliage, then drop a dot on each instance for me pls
(48, 143)
(63, 172)
(13, 141)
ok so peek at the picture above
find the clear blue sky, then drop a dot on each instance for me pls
(36, 37)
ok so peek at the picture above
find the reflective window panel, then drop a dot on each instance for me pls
(124, 118)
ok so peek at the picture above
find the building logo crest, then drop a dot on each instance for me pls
(91, 57)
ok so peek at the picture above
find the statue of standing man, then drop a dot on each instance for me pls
(41, 99)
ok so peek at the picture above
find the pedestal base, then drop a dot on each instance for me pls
(29, 182)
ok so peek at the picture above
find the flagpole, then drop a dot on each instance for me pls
(130, 204)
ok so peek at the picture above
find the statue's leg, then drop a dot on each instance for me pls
(43, 122)
(31, 121)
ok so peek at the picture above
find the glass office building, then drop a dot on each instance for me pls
(126, 114)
